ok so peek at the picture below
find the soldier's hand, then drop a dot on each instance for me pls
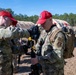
(34, 61)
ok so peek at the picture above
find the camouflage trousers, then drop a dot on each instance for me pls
(6, 67)
(51, 70)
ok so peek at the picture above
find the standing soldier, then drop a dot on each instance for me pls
(8, 31)
(52, 49)
(51, 56)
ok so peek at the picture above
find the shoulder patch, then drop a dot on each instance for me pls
(60, 41)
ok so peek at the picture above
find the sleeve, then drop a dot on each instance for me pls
(57, 53)
(38, 46)
(19, 32)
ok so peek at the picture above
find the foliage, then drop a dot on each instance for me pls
(71, 18)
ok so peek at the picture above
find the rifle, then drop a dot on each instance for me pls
(37, 68)
(34, 33)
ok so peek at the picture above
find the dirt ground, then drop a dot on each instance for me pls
(69, 69)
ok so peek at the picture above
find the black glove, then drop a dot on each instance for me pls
(33, 55)
(30, 43)
(25, 48)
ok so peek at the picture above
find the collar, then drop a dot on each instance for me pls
(50, 28)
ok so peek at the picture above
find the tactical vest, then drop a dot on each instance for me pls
(47, 45)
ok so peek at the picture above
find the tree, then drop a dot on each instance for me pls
(10, 10)
(70, 18)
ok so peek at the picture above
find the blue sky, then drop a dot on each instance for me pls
(35, 7)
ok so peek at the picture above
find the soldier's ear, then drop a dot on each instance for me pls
(50, 18)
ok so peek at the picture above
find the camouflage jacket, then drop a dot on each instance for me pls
(51, 52)
(6, 34)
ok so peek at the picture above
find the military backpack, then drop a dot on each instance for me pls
(69, 41)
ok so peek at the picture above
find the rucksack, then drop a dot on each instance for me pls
(69, 42)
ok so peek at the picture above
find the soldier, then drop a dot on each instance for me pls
(51, 56)
(8, 31)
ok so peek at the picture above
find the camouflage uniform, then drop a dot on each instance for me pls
(51, 53)
(6, 34)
